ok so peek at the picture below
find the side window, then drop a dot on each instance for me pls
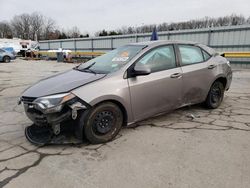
(206, 55)
(159, 59)
(1, 50)
(190, 54)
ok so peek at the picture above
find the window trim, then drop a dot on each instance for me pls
(131, 67)
(192, 45)
(202, 50)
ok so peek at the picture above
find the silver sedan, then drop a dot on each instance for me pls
(124, 86)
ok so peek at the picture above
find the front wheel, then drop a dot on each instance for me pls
(6, 59)
(103, 123)
(215, 95)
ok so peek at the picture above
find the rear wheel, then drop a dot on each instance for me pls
(215, 95)
(6, 59)
(103, 123)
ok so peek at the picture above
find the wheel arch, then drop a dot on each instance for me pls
(214, 104)
(5, 57)
(120, 105)
(221, 79)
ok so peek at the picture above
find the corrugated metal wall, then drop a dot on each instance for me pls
(232, 38)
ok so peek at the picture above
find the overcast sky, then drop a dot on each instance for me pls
(94, 15)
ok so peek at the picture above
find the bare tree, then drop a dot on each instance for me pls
(5, 30)
(21, 25)
(237, 20)
(205, 22)
(49, 27)
(34, 26)
(248, 20)
(37, 24)
(74, 32)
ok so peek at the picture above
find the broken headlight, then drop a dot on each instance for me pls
(53, 103)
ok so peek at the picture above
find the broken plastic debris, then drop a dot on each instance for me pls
(192, 116)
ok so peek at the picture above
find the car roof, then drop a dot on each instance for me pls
(159, 42)
(162, 42)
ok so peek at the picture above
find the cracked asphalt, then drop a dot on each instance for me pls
(190, 147)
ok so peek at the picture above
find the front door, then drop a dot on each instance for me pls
(159, 91)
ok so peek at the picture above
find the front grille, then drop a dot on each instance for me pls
(34, 111)
(41, 119)
(27, 100)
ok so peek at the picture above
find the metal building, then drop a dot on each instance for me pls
(223, 39)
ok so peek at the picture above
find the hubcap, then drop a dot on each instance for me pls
(104, 122)
(7, 60)
(216, 94)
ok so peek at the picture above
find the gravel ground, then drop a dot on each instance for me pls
(171, 150)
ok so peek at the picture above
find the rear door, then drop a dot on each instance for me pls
(197, 73)
(159, 91)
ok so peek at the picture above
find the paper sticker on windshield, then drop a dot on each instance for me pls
(124, 54)
(120, 59)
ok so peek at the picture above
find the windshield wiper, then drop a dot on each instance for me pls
(89, 66)
(76, 68)
(86, 69)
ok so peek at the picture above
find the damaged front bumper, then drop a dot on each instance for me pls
(42, 119)
(49, 122)
(56, 114)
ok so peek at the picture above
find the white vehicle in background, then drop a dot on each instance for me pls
(28, 46)
(14, 43)
(20, 46)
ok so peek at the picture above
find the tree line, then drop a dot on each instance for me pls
(36, 26)
(206, 22)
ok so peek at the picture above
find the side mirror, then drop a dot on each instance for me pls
(140, 70)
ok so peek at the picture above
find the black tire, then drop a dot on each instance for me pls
(215, 95)
(6, 59)
(102, 123)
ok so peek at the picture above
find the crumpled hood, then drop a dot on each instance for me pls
(61, 83)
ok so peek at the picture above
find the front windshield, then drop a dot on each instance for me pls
(111, 61)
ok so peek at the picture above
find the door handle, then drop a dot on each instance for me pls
(176, 75)
(211, 66)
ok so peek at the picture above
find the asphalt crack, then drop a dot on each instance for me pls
(24, 169)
